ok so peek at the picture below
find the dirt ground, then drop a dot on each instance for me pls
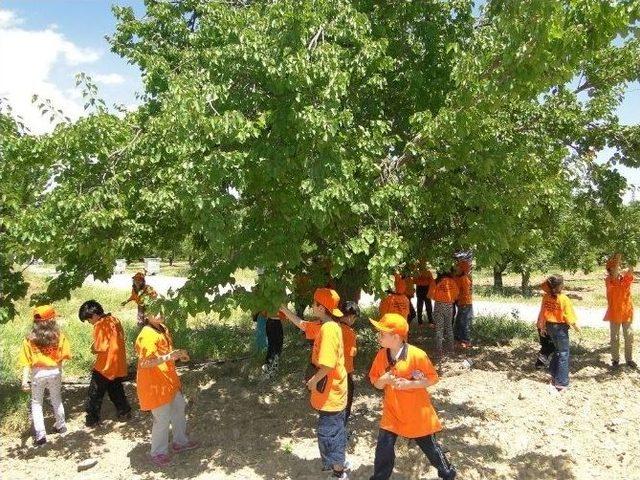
(501, 422)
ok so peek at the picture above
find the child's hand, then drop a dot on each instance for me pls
(184, 356)
(402, 384)
(387, 378)
(312, 383)
(25, 387)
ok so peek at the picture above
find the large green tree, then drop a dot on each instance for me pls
(283, 134)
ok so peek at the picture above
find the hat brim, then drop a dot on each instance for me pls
(336, 312)
(380, 327)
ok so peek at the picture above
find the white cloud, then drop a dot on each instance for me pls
(108, 78)
(27, 58)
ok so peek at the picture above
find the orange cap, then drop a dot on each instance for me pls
(400, 286)
(329, 299)
(43, 313)
(392, 323)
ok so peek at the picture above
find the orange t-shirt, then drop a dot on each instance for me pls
(557, 309)
(465, 288)
(410, 286)
(424, 278)
(156, 385)
(32, 355)
(328, 351)
(395, 303)
(147, 291)
(407, 413)
(108, 343)
(349, 342)
(620, 306)
(445, 291)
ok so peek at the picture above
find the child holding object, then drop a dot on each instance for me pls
(404, 372)
(140, 293)
(619, 310)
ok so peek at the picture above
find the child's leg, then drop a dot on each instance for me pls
(160, 430)
(439, 318)
(429, 310)
(179, 420)
(436, 457)
(332, 438)
(37, 395)
(468, 320)
(347, 411)
(54, 384)
(95, 393)
(421, 295)
(614, 342)
(448, 328)
(279, 338)
(559, 333)
(271, 340)
(385, 455)
(627, 331)
(117, 396)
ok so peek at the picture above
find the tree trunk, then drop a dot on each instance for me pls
(497, 275)
(524, 282)
(171, 261)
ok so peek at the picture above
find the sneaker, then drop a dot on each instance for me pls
(61, 430)
(190, 445)
(543, 359)
(615, 365)
(632, 364)
(342, 475)
(38, 442)
(161, 460)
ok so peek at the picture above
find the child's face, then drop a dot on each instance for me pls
(155, 320)
(94, 319)
(318, 310)
(387, 339)
(138, 282)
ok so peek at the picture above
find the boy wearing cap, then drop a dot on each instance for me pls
(110, 367)
(328, 385)
(41, 357)
(140, 292)
(404, 372)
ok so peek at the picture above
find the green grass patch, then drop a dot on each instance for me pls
(502, 329)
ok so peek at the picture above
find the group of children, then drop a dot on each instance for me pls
(158, 385)
(402, 371)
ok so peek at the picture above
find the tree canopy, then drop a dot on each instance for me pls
(344, 135)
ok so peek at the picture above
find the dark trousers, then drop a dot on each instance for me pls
(332, 438)
(423, 301)
(98, 386)
(559, 365)
(275, 338)
(546, 345)
(347, 410)
(386, 456)
(412, 311)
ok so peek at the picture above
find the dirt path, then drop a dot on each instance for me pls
(501, 422)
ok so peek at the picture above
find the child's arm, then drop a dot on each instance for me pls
(406, 384)
(322, 372)
(25, 378)
(384, 380)
(155, 361)
(292, 317)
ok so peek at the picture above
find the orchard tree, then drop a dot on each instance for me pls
(356, 134)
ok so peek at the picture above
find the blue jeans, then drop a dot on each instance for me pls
(386, 456)
(462, 332)
(332, 438)
(559, 366)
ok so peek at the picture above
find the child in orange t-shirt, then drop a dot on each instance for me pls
(619, 311)
(328, 385)
(555, 318)
(41, 357)
(464, 315)
(159, 389)
(404, 372)
(140, 293)
(110, 368)
(445, 293)
(351, 313)
(423, 281)
(396, 301)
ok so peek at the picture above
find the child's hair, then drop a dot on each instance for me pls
(555, 283)
(350, 308)
(45, 333)
(89, 309)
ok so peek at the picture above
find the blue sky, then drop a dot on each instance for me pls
(63, 37)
